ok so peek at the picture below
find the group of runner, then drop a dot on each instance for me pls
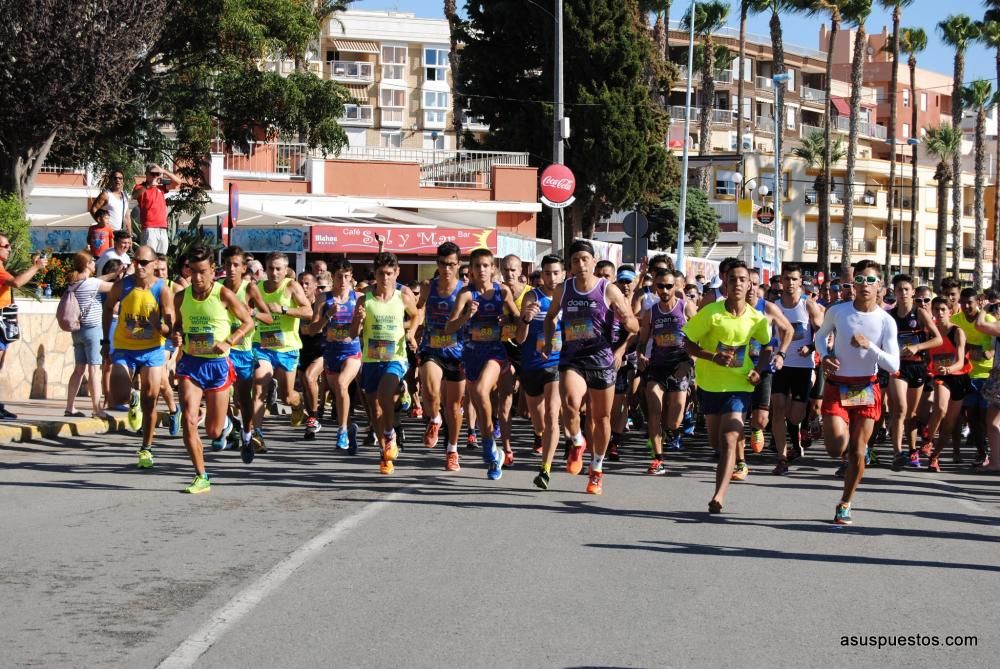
(584, 349)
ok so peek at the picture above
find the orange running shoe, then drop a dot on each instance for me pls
(386, 467)
(391, 451)
(508, 458)
(757, 441)
(431, 434)
(595, 486)
(451, 463)
(574, 462)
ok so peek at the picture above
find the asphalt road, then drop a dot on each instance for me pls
(310, 558)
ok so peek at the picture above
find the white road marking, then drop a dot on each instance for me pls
(192, 648)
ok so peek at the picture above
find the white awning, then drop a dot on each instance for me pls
(355, 46)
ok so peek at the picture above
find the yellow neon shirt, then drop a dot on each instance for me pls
(976, 342)
(715, 329)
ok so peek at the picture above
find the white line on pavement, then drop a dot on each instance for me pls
(188, 652)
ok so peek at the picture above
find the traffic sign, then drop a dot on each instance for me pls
(765, 216)
(820, 278)
(636, 224)
(634, 249)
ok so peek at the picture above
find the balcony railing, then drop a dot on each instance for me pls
(805, 129)
(813, 95)
(363, 115)
(266, 160)
(474, 123)
(443, 168)
(721, 76)
(765, 124)
(719, 116)
(763, 82)
(350, 71)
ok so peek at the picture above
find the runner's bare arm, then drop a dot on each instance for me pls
(645, 321)
(319, 318)
(167, 312)
(302, 309)
(359, 318)
(461, 313)
(240, 310)
(410, 306)
(529, 308)
(551, 315)
(934, 338)
(785, 331)
(992, 328)
(256, 302)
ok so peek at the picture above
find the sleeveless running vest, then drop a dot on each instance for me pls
(909, 331)
(437, 311)
(798, 316)
(206, 322)
(485, 325)
(534, 344)
(665, 329)
(246, 343)
(283, 334)
(337, 331)
(947, 354)
(134, 332)
(383, 332)
(587, 321)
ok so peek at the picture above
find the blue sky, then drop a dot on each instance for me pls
(804, 31)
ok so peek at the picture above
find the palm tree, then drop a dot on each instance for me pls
(709, 17)
(911, 42)
(813, 152)
(990, 35)
(944, 142)
(893, 134)
(454, 27)
(855, 12)
(979, 97)
(957, 31)
(744, 11)
(662, 26)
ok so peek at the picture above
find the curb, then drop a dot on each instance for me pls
(58, 429)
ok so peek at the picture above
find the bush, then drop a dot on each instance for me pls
(14, 225)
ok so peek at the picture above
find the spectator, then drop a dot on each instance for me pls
(120, 251)
(100, 236)
(86, 340)
(114, 199)
(150, 195)
(7, 284)
(318, 267)
(255, 270)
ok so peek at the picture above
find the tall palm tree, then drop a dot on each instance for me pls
(990, 36)
(979, 97)
(957, 31)
(911, 42)
(708, 17)
(813, 151)
(454, 27)
(662, 26)
(944, 142)
(744, 12)
(897, 14)
(855, 12)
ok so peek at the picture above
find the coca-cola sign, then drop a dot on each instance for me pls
(558, 185)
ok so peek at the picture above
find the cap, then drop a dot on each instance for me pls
(626, 275)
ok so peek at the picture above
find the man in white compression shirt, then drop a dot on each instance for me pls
(864, 340)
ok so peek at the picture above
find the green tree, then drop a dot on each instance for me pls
(14, 225)
(911, 42)
(701, 222)
(979, 97)
(708, 17)
(943, 142)
(617, 151)
(855, 12)
(813, 151)
(958, 32)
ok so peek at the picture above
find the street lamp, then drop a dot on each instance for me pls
(681, 218)
(778, 79)
(741, 185)
(913, 142)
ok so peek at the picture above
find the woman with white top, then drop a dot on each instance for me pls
(86, 340)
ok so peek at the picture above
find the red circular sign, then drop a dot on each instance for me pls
(558, 183)
(820, 278)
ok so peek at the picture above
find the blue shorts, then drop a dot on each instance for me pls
(975, 399)
(286, 360)
(210, 374)
(475, 360)
(133, 360)
(87, 345)
(333, 362)
(372, 373)
(244, 362)
(719, 403)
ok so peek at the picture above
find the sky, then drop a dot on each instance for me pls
(979, 63)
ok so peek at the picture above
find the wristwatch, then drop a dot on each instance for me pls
(284, 309)
(781, 353)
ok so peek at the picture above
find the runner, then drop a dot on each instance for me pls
(276, 345)
(588, 362)
(865, 340)
(170, 353)
(241, 354)
(669, 368)
(482, 305)
(718, 337)
(979, 347)
(950, 368)
(916, 334)
(540, 377)
(792, 383)
(628, 381)
(951, 290)
(145, 319)
(510, 269)
(310, 356)
(379, 316)
(204, 313)
(441, 371)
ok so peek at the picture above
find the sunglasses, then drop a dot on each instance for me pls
(4, 246)
(143, 262)
(664, 286)
(323, 287)
(692, 296)
(921, 300)
(862, 279)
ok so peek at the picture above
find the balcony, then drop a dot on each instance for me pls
(805, 130)
(265, 160)
(350, 71)
(765, 124)
(719, 116)
(721, 77)
(474, 123)
(763, 82)
(393, 117)
(813, 95)
(358, 115)
(444, 167)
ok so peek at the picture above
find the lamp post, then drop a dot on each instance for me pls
(558, 154)
(777, 80)
(762, 190)
(682, 215)
(913, 142)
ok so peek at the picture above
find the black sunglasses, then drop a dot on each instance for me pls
(142, 263)
(922, 300)
(664, 286)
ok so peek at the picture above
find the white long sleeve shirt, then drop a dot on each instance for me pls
(843, 321)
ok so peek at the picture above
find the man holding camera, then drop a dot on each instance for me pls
(150, 195)
(7, 284)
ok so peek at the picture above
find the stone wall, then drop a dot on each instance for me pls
(39, 365)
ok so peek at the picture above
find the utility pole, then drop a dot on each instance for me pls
(558, 156)
(682, 214)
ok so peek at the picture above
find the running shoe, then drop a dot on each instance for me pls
(312, 427)
(495, 470)
(343, 442)
(628, 424)
(595, 484)
(246, 449)
(259, 445)
(688, 423)
(416, 411)
(175, 422)
(451, 462)
(541, 479)
(385, 467)
(656, 468)
(574, 463)
(431, 434)
(134, 417)
(757, 441)
(496, 430)
(805, 437)
(740, 472)
(222, 442)
(715, 507)
(391, 450)
(405, 401)
(868, 455)
(934, 464)
(6, 415)
(914, 461)
(352, 439)
(842, 516)
(675, 443)
(200, 484)
(899, 461)
(508, 458)
(272, 398)
(472, 440)
(613, 454)
(145, 458)
(298, 414)
(927, 449)
(841, 470)
(815, 428)
(781, 468)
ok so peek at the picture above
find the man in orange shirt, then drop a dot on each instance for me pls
(7, 284)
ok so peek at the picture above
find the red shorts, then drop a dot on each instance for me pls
(831, 398)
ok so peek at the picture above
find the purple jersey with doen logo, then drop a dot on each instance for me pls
(665, 329)
(437, 312)
(587, 321)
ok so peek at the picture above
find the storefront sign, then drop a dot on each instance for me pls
(399, 240)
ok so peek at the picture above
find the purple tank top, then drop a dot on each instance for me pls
(587, 321)
(665, 328)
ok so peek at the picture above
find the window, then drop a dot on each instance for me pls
(356, 137)
(434, 141)
(436, 62)
(789, 117)
(923, 102)
(394, 62)
(724, 184)
(392, 140)
(906, 131)
(767, 179)
(392, 101)
(906, 97)
(790, 84)
(435, 109)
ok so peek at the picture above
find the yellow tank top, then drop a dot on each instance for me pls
(282, 335)
(383, 334)
(246, 343)
(205, 322)
(510, 320)
(134, 331)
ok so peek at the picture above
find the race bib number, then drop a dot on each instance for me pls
(442, 341)
(580, 330)
(509, 331)
(201, 343)
(945, 360)
(755, 349)
(485, 333)
(556, 344)
(908, 339)
(857, 397)
(338, 333)
(669, 340)
(381, 350)
(739, 353)
(272, 339)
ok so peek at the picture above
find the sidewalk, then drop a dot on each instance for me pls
(43, 419)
